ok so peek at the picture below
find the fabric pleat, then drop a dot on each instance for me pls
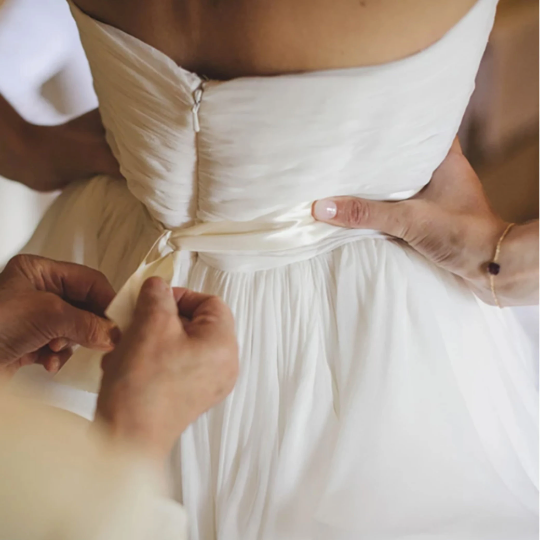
(378, 398)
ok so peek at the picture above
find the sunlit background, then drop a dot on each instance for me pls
(44, 74)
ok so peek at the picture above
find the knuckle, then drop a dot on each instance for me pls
(218, 306)
(356, 212)
(93, 329)
(30, 267)
(21, 262)
(48, 314)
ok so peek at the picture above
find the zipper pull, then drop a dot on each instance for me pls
(197, 98)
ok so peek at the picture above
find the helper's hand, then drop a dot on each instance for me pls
(177, 360)
(452, 224)
(46, 307)
(48, 158)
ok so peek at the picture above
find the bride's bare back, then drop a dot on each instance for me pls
(223, 39)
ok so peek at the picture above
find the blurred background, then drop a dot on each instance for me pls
(44, 74)
(499, 133)
(500, 130)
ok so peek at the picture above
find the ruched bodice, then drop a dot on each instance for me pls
(378, 398)
(377, 132)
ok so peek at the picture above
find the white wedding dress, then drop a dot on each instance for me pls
(378, 398)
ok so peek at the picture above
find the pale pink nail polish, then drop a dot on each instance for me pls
(324, 210)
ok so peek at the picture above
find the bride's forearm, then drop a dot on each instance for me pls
(517, 282)
(48, 158)
(14, 148)
(29, 154)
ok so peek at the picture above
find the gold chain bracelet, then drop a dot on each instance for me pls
(494, 267)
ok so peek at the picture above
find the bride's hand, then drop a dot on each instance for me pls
(48, 158)
(452, 224)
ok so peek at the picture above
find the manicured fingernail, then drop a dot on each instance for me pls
(324, 210)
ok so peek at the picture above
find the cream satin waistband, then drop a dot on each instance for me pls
(278, 238)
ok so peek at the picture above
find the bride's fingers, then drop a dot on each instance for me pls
(399, 218)
(393, 218)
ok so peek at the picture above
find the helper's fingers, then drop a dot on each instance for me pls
(188, 302)
(210, 318)
(59, 344)
(75, 283)
(156, 300)
(391, 218)
(80, 327)
(81, 285)
(54, 361)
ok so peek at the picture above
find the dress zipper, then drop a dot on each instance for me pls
(197, 98)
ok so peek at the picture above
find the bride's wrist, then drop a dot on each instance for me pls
(16, 155)
(47, 156)
(517, 281)
(514, 280)
(31, 159)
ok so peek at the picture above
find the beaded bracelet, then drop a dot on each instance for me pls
(494, 267)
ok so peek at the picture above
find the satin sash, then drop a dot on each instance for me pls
(277, 239)
(277, 232)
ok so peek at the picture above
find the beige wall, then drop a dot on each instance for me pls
(501, 127)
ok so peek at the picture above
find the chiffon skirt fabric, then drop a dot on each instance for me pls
(377, 398)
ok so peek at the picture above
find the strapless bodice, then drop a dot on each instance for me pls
(377, 397)
(209, 151)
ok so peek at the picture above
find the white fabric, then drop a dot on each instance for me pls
(378, 398)
(60, 480)
(38, 41)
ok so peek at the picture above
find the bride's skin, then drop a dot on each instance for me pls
(452, 224)
(48, 158)
(223, 39)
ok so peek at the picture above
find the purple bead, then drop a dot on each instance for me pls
(494, 268)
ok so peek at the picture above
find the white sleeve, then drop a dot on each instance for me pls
(78, 486)
(168, 522)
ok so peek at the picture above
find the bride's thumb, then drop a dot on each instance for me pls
(353, 213)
